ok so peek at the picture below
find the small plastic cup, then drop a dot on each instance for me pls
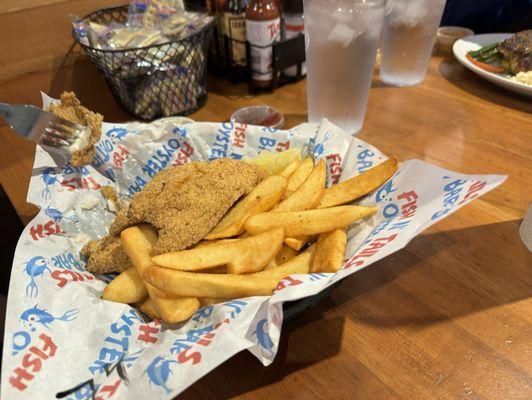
(259, 115)
(447, 35)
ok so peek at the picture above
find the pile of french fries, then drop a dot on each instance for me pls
(289, 224)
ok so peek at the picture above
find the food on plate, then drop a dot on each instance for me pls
(228, 286)
(138, 242)
(186, 202)
(70, 108)
(105, 255)
(299, 176)
(517, 51)
(510, 56)
(297, 243)
(285, 254)
(275, 163)
(308, 222)
(360, 185)
(109, 193)
(261, 199)
(308, 195)
(148, 308)
(207, 257)
(291, 168)
(350, 190)
(330, 251)
(128, 287)
(523, 77)
(209, 301)
(241, 256)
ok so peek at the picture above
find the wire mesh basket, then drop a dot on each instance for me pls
(158, 80)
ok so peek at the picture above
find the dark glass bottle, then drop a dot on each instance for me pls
(263, 28)
(234, 18)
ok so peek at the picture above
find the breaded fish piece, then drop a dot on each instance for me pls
(70, 108)
(122, 221)
(106, 255)
(186, 202)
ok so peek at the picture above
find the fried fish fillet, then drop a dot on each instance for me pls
(184, 203)
(71, 109)
(106, 255)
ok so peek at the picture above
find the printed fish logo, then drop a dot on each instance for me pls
(319, 149)
(180, 131)
(49, 177)
(383, 194)
(35, 267)
(159, 371)
(390, 209)
(36, 315)
(117, 133)
(57, 216)
(263, 338)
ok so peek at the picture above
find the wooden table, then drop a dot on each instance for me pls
(449, 317)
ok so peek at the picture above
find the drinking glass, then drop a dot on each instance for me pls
(342, 39)
(409, 32)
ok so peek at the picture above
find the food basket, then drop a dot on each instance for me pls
(157, 80)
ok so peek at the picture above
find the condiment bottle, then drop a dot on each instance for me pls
(234, 18)
(293, 25)
(220, 6)
(263, 28)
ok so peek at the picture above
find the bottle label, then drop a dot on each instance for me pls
(293, 26)
(235, 29)
(262, 33)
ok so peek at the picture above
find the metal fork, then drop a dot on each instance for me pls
(45, 128)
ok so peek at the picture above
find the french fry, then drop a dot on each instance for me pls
(308, 195)
(330, 251)
(291, 168)
(230, 286)
(241, 256)
(350, 190)
(138, 243)
(285, 254)
(308, 222)
(206, 243)
(261, 199)
(360, 185)
(297, 243)
(210, 301)
(128, 287)
(298, 177)
(148, 309)
(297, 265)
(275, 163)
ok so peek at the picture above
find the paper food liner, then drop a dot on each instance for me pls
(63, 341)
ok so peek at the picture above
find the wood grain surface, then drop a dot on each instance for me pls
(35, 34)
(449, 317)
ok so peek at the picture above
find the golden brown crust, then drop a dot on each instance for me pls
(71, 109)
(186, 202)
(121, 222)
(109, 193)
(106, 255)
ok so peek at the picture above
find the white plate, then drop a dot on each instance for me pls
(462, 46)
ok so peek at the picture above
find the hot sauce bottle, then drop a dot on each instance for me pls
(263, 28)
